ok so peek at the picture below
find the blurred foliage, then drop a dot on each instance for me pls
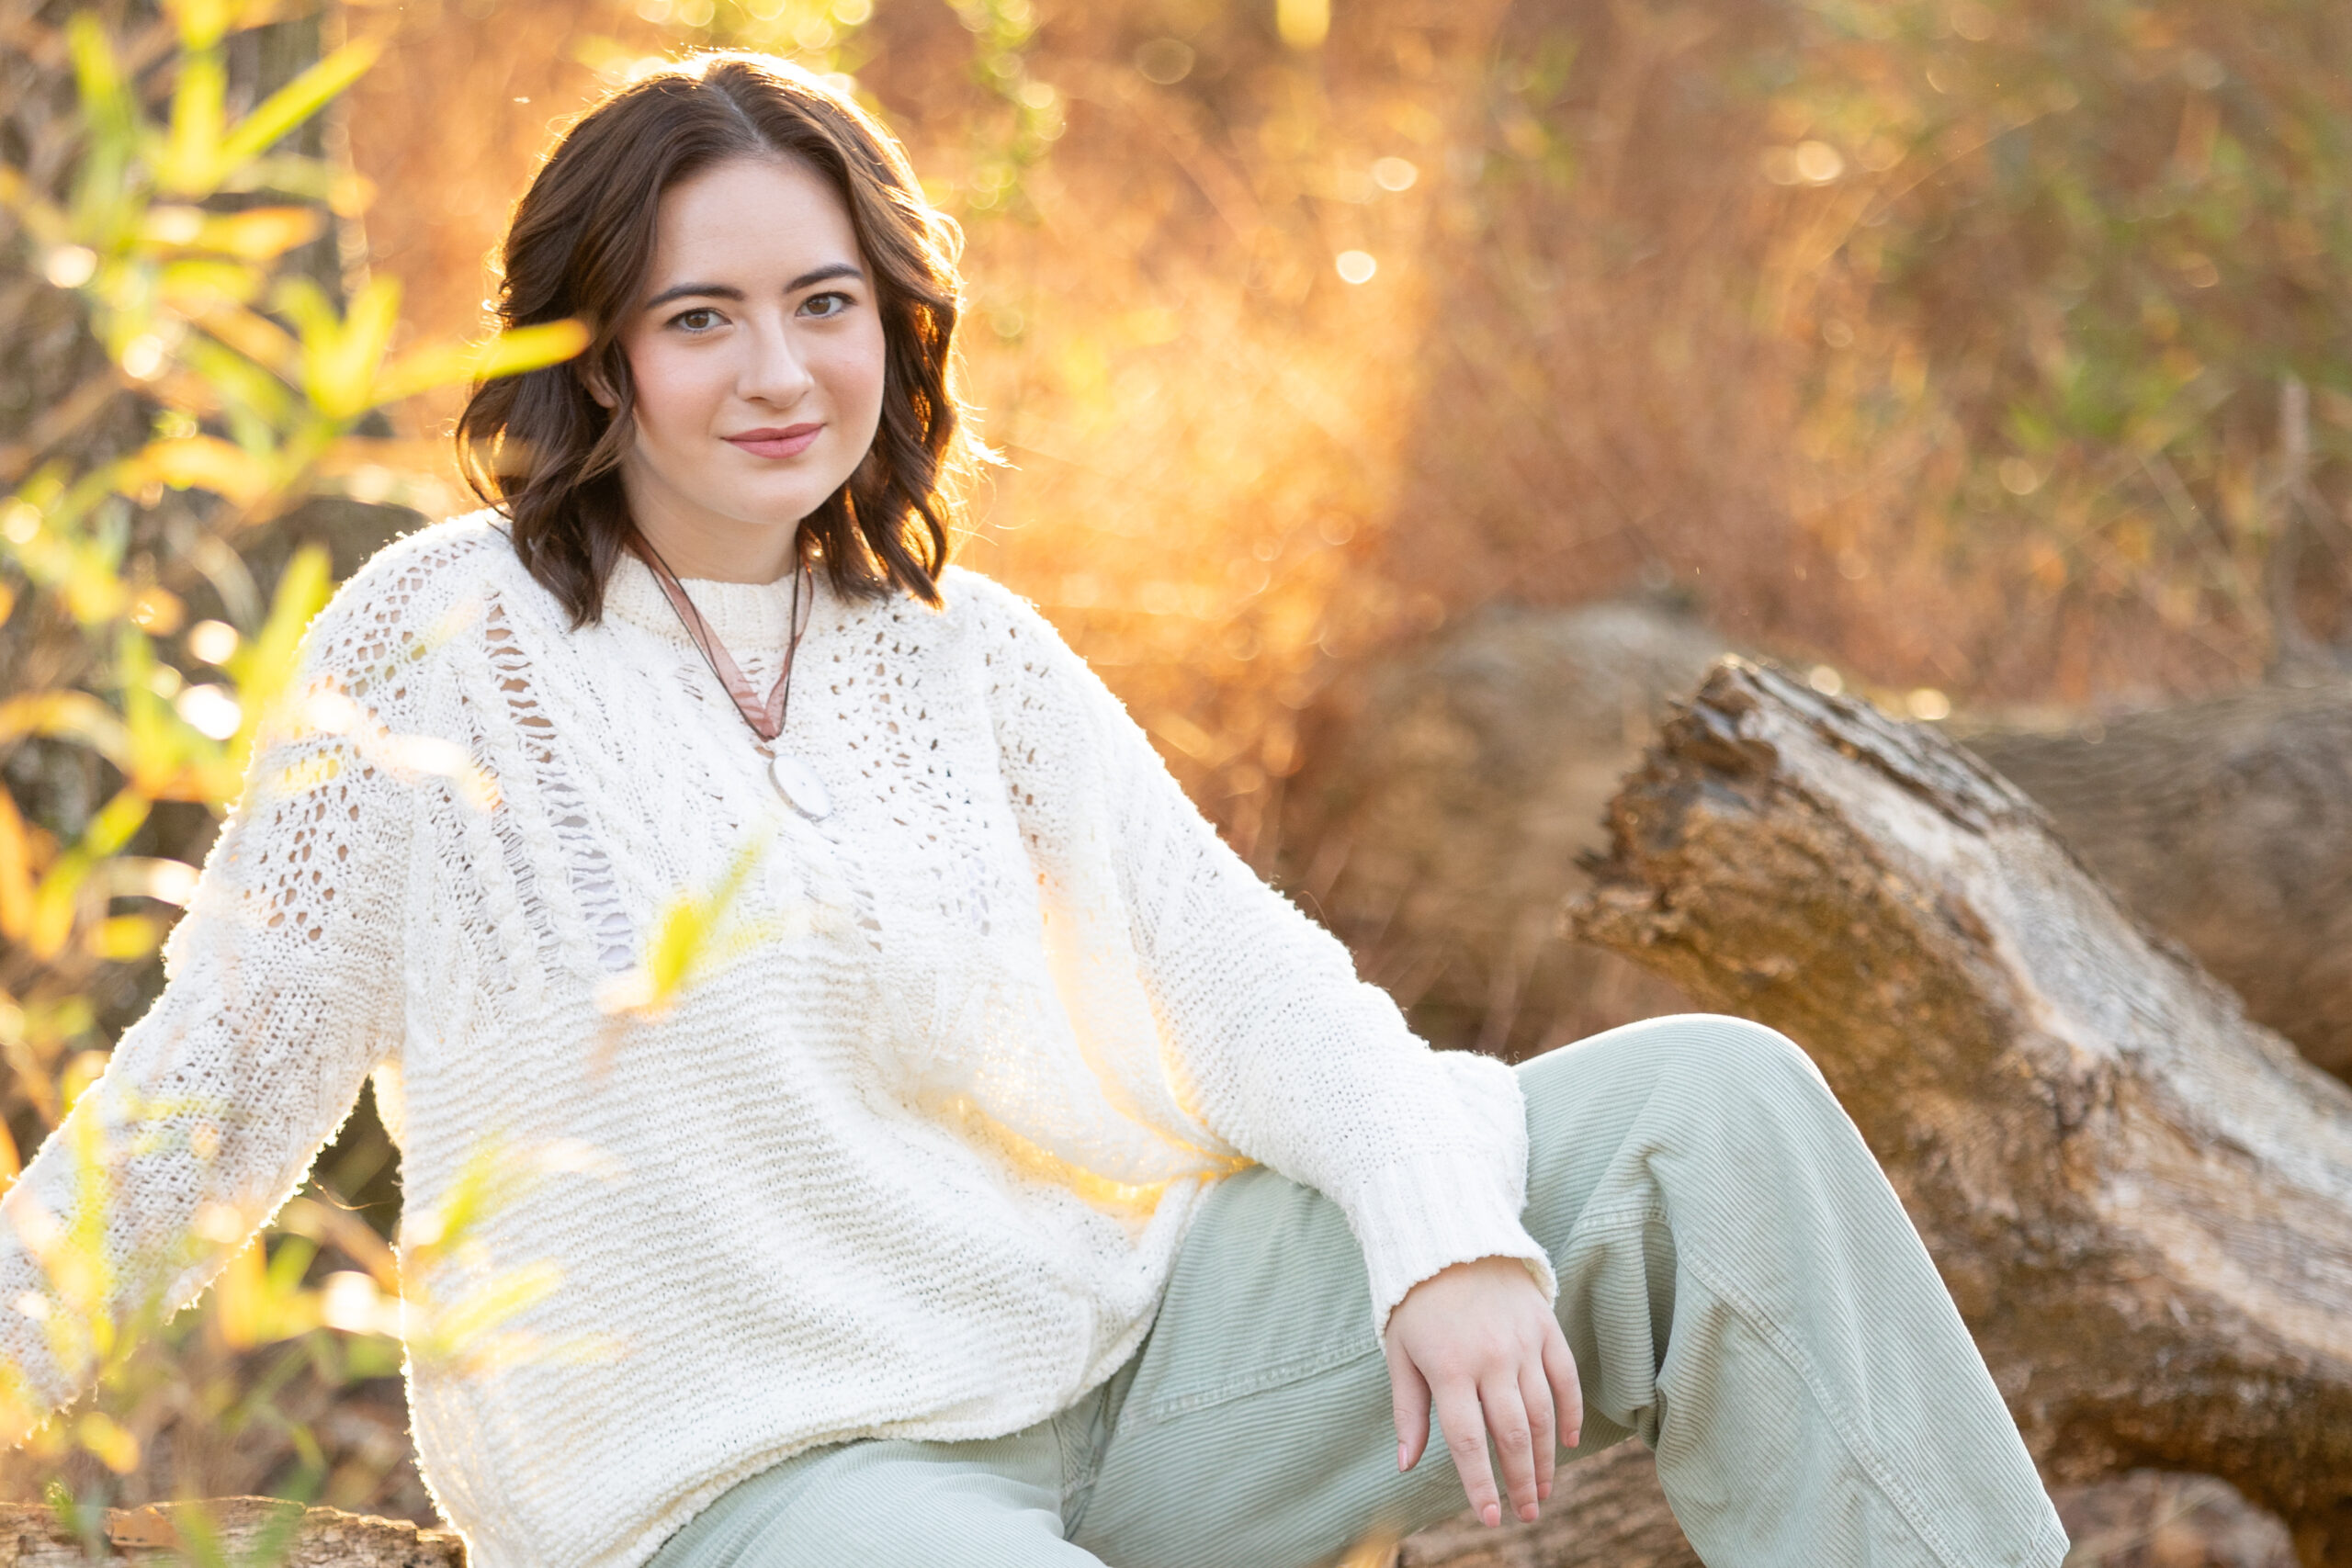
(2114, 241)
(1994, 351)
(2003, 346)
(172, 230)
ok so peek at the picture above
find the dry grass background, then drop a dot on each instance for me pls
(1619, 336)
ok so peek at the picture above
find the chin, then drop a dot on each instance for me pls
(775, 507)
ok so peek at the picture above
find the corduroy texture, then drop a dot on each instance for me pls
(909, 1154)
(1737, 1280)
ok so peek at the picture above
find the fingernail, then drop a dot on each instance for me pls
(1493, 1514)
(1575, 1438)
(1543, 1493)
(1527, 1513)
(1400, 1453)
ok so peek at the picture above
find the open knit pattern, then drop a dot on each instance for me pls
(909, 1155)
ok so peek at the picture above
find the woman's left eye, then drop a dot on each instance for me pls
(827, 304)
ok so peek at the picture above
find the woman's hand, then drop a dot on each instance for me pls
(1480, 1338)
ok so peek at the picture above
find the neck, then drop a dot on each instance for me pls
(701, 544)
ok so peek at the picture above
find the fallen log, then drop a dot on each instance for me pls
(2141, 1201)
(220, 1529)
(1604, 1510)
(2227, 824)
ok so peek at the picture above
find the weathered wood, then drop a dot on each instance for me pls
(2141, 1201)
(2227, 824)
(241, 1529)
(1607, 1512)
(1604, 1510)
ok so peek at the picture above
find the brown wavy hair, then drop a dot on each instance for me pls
(544, 452)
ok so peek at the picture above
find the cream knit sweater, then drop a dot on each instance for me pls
(910, 1153)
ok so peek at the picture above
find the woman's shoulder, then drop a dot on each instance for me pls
(454, 554)
(989, 613)
(413, 584)
(399, 606)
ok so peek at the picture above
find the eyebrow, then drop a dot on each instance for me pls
(728, 292)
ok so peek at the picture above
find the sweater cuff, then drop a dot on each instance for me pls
(1421, 1214)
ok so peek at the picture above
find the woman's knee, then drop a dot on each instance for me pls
(1755, 1057)
(1697, 1061)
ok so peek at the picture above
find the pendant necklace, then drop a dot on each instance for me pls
(793, 779)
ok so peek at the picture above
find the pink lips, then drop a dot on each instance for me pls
(788, 442)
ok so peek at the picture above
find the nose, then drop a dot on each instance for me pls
(773, 371)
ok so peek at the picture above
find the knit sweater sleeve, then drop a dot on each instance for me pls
(283, 989)
(1271, 1038)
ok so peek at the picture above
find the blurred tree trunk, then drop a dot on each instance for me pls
(1448, 795)
(2141, 1201)
(2226, 825)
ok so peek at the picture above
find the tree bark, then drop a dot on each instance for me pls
(2227, 824)
(244, 1530)
(2142, 1200)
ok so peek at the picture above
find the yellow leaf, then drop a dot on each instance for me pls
(257, 234)
(340, 367)
(200, 462)
(68, 715)
(510, 353)
(297, 101)
(16, 871)
(238, 1297)
(125, 938)
(264, 664)
(254, 335)
(53, 906)
(201, 22)
(200, 113)
(92, 591)
(195, 285)
(113, 1446)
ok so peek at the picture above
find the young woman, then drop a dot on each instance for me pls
(1015, 1179)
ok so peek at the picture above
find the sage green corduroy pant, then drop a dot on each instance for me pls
(1739, 1285)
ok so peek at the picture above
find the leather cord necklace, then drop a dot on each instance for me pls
(793, 779)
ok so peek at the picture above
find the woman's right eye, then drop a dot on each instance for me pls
(699, 320)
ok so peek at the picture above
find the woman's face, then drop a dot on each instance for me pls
(757, 353)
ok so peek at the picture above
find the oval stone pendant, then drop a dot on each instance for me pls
(798, 784)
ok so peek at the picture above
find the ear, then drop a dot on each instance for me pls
(591, 376)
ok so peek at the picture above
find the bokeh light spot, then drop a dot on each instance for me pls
(1357, 266)
(1165, 60)
(70, 266)
(1927, 704)
(1818, 163)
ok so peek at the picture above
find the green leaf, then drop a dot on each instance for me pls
(296, 102)
(264, 666)
(98, 75)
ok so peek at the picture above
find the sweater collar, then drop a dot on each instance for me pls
(749, 618)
